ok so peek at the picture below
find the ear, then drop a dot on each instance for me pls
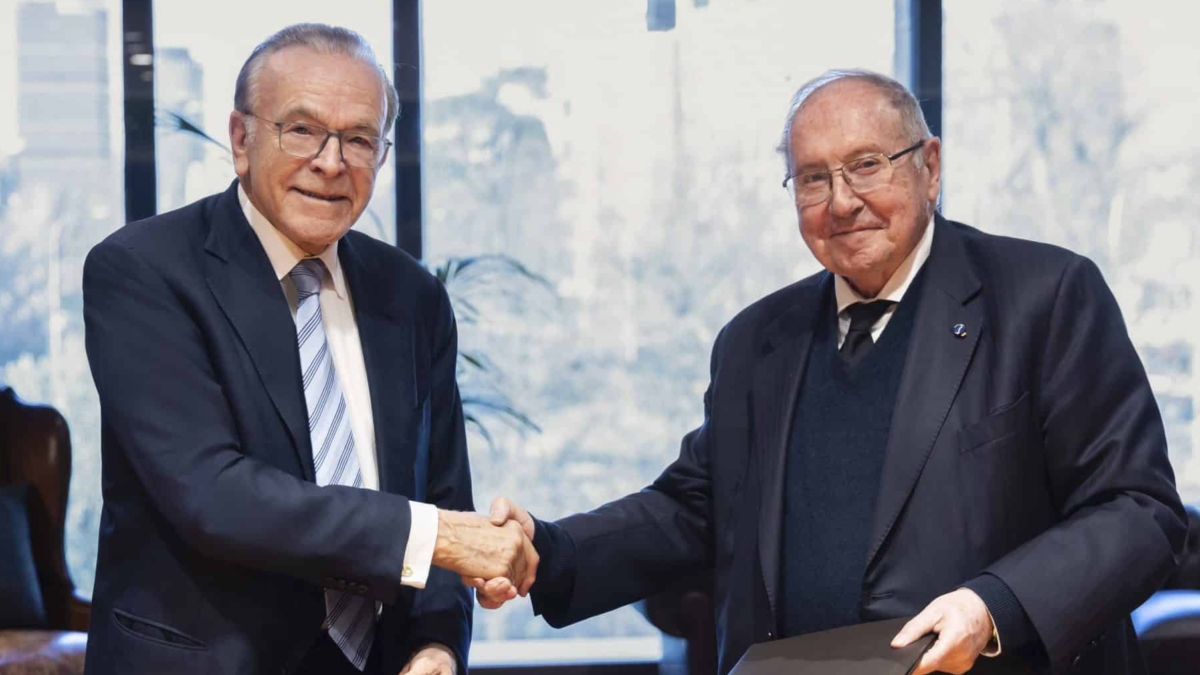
(238, 140)
(933, 164)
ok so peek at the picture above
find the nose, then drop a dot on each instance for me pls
(329, 159)
(843, 202)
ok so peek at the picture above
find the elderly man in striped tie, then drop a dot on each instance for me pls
(286, 485)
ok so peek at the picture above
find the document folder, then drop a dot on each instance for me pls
(865, 649)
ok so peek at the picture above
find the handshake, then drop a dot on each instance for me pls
(494, 554)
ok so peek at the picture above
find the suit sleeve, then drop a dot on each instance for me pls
(442, 611)
(1121, 525)
(635, 546)
(173, 425)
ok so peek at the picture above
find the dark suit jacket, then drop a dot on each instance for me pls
(1030, 448)
(216, 545)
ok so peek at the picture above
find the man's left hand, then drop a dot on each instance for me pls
(963, 626)
(434, 659)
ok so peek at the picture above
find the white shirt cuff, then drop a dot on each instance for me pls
(422, 538)
(993, 648)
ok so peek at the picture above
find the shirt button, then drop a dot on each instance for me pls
(406, 572)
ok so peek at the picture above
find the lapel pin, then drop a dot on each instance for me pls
(959, 330)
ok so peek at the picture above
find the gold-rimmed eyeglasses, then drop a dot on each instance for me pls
(306, 141)
(862, 175)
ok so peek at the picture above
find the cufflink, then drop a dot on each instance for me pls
(406, 572)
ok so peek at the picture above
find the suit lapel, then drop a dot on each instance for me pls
(241, 279)
(934, 368)
(386, 332)
(777, 380)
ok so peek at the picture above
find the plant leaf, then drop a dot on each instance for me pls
(180, 123)
(481, 429)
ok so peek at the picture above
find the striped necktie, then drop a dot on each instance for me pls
(350, 619)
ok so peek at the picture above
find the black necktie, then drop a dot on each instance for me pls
(863, 317)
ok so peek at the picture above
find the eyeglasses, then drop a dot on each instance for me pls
(306, 141)
(861, 175)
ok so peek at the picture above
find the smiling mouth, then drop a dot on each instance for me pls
(861, 229)
(323, 198)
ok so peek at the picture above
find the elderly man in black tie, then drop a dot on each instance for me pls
(945, 424)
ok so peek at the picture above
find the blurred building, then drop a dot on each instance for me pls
(63, 98)
(69, 169)
(178, 97)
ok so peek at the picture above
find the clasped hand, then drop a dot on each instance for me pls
(479, 548)
(495, 590)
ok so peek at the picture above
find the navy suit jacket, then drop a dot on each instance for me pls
(216, 545)
(1030, 448)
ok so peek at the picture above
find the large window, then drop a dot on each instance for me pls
(1071, 122)
(61, 192)
(635, 171)
(199, 47)
(601, 190)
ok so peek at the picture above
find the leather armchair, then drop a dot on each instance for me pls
(35, 448)
(1168, 624)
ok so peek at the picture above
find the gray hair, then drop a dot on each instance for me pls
(323, 39)
(912, 119)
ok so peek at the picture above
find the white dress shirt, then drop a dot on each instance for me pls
(893, 290)
(341, 331)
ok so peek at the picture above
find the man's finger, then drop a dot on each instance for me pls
(501, 508)
(518, 564)
(500, 587)
(531, 564)
(919, 625)
(487, 603)
(494, 593)
(930, 661)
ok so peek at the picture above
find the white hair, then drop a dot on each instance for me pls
(912, 119)
(323, 39)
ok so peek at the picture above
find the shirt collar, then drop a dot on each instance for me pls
(901, 279)
(285, 253)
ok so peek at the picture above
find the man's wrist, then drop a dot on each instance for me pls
(1011, 627)
(445, 544)
(422, 540)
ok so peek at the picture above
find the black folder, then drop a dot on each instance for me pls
(865, 649)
